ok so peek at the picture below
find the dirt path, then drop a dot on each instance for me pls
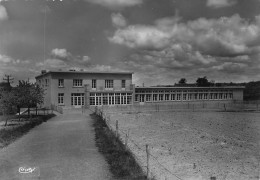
(63, 148)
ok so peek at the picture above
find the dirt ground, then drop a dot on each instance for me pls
(195, 145)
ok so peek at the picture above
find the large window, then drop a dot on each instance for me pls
(109, 84)
(117, 98)
(172, 97)
(60, 98)
(94, 83)
(129, 98)
(155, 97)
(77, 83)
(61, 82)
(123, 83)
(178, 97)
(148, 97)
(77, 99)
(160, 97)
(105, 98)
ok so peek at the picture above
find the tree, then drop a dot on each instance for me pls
(182, 81)
(203, 82)
(7, 104)
(29, 95)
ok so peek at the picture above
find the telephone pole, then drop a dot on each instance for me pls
(9, 79)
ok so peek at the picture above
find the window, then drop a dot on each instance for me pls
(105, 99)
(61, 82)
(117, 98)
(123, 98)
(155, 97)
(167, 97)
(94, 83)
(136, 97)
(189, 96)
(77, 82)
(148, 97)
(178, 97)
(160, 97)
(109, 84)
(172, 97)
(60, 98)
(129, 98)
(46, 82)
(184, 97)
(123, 83)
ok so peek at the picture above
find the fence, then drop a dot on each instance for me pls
(150, 164)
(188, 106)
(57, 108)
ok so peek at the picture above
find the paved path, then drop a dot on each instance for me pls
(61, 149)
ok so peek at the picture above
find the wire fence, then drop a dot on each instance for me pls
(150, 164)
(237, 106)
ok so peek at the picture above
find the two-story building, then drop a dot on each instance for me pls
(80, 88)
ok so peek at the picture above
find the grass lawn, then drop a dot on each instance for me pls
(121, 161)
(15, 128)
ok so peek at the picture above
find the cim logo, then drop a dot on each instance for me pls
(29, 171)
(26, 170)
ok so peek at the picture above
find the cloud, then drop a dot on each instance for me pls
(3, 13)
(118, 20)
(220, 3)
(226, 36)
(60, 53)
(141, 36)
(116, 4)
(5, 59)
(231, 67)
(226, 47)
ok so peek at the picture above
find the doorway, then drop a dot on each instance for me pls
(77, 100)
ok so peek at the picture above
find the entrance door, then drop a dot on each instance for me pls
(77, 100)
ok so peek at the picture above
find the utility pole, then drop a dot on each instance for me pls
(9, 79)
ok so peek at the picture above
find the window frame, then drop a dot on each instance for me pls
(60, 83)
(77, 82)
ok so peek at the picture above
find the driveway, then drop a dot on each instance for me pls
(60, 149)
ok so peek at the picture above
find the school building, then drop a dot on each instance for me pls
(75, 89)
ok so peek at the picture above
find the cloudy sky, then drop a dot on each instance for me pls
(160, 41)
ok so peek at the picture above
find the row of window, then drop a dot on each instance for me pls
(109, 84)
(184, 91)
(184, 97)
(98, 99)
(77, 99)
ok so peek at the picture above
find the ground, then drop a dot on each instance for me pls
(62, 148)
(194, 145)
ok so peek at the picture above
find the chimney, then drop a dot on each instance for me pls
(44, 71)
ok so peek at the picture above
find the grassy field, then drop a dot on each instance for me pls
(15, 128)
(195, 145)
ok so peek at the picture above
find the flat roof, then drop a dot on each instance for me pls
(82, 72)
(211, 87)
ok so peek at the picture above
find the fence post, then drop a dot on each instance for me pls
(148, 159)
(126, 137)
(117, 128)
